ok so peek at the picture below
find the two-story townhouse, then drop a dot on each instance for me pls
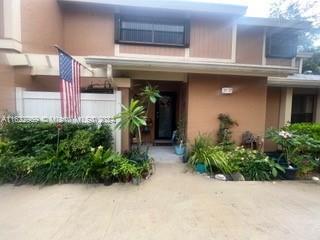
(205, 58)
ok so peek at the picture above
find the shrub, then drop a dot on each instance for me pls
(253, 165)
(77, 146)
(47, 153)
(311, 129)
(305, 164)
(298, 146)
(224, 133)
(32, 138)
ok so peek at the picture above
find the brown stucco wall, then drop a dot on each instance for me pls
(273, 112)
(152, 50)
(125, 141)
(7, 90)
(210, 37)
(88, 31)
(1, 20)
(249, 44)
(279, 62)
(247, 105)
(41, 26)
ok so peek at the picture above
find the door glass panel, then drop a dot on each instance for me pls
(165, 115)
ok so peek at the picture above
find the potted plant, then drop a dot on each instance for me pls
(197, 158)
(290, 145)
(180, 147)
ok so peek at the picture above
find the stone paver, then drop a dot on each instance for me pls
(173, 204)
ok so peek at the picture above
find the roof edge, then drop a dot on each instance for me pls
(180, 5)
(274, 22)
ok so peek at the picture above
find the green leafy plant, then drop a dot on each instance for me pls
(180, 133)
(312, 130)
(32, 138)
(224, 133)
(149, 95)
(77, 160)
(305, 164)
(261, 169)
(292, 143)
(253, 165)
(132, 117)
(213, 157)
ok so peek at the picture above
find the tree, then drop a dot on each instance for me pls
(313, 63)
(132, 117)
(299, 10)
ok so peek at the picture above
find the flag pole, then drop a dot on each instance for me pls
(61, 50)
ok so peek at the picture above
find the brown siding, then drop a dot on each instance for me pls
(7, 90)
(279, 62)
(89, 31)
(210, 38)
(125, 141)
(273, 111)
(249, 45)
(247, 105)
(153, 50)
(1, 20)
(41, 26)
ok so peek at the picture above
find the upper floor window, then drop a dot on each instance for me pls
(136, 30)
(281, 44)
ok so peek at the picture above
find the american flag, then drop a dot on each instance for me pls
(69, 86)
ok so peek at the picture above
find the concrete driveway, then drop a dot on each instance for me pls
(171, 205)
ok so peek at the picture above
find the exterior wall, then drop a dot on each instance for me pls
(7, 90)
(210, 38)
(273, 113)
(278, 62)
(125, 141)
(249, 44)
(88, 31)
(247, 105)
(41, 26)
(1, 20)
(151, 50)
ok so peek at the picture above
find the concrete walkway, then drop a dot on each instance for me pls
(164, 154)
(172, 204)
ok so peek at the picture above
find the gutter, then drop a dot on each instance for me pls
(293, 82)
(189, 66)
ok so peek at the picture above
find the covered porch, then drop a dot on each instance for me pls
(294, 99)
(164, 116)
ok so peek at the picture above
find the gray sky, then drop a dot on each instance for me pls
(256, 8)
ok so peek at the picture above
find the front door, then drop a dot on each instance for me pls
(165, 116)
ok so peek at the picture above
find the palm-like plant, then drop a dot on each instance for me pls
(149, 95)
(132, 117)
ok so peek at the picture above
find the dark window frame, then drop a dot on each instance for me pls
(170, 21)
(289, 39)
(297, 115)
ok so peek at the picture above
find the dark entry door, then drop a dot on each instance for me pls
(165, 115)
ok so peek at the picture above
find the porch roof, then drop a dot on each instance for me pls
(296, 80)
(180, 5)
(189, 66)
